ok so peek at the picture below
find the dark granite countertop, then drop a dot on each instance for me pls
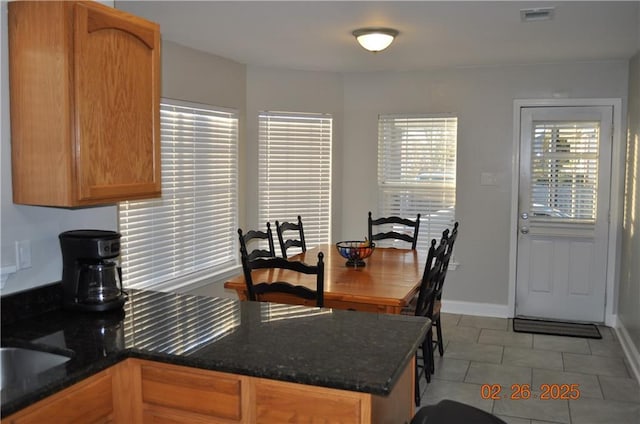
(347, 350)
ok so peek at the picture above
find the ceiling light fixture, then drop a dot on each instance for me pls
(375, 39)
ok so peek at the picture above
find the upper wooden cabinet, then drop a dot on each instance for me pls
(85, 104)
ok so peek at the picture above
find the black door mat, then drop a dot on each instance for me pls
(556, 328)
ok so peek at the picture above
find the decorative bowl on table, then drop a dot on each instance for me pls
(355, 251)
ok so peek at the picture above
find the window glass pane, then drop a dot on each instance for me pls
(564, 171)
(190, 229)
(417, 171)
(295, 172)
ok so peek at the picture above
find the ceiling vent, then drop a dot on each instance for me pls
(539, 14)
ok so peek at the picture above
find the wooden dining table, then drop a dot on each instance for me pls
(387, 283)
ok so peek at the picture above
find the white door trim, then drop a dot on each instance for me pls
(616, 195)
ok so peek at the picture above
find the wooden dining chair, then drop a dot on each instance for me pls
(408, 227)
(254, 237)
(285, 242)
(424, 307)
(270, 290)
(451, 240)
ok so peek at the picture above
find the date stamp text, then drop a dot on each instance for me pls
(525, 391)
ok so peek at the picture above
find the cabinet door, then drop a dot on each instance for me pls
(116, 94)
(282, 402)
(89, 401)
(198, 395)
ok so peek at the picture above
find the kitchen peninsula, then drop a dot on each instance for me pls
(188, 358)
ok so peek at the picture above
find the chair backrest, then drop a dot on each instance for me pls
(255, 236)
(408, 223)
(454, 234)
(262, 290)
(451, 240)
(450, 411)
(431, 276)
(285, 244)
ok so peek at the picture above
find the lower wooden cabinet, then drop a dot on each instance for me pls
(90, 401)
(174, 394)
(278, 402)
(179, 394)
(139, 391)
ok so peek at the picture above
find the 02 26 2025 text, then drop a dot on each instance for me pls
(524, 392)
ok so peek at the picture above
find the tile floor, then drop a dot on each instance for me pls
(485, 351)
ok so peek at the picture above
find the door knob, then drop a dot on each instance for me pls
(524, 230)
(525, 215)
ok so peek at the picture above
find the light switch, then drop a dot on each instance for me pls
(488, 179)
(23, 254)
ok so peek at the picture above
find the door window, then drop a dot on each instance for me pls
(564, 171)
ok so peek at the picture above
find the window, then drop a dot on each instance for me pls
(564, 171)
(417, 171)
(189, 233)
(295, 171)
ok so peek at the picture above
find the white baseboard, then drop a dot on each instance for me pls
(630, 349)
(475, 308)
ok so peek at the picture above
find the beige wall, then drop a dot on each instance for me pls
(629, 289)
(292, 91)
(482, 98)
(195, 76)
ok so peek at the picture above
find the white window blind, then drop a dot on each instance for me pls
(295, 172)
(564, 171)
(417, 171)
(189, 233)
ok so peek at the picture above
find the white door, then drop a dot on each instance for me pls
(565, 172)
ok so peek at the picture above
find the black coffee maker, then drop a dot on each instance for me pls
(91, 279)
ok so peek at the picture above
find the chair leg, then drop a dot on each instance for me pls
(440, 343)
(432, 362)
(432, 344)
(427, 362)
(427, 354)
(416, 387)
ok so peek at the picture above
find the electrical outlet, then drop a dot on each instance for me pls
(23, 254)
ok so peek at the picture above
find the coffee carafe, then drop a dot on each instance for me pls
(91, 279)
